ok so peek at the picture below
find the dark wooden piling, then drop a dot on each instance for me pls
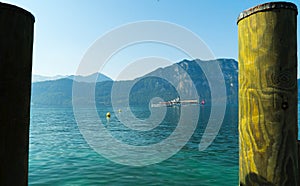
(268, 95)
(16, 43)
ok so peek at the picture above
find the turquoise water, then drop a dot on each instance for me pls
(58, 154)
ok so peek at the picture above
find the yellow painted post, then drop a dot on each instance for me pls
(16, 42)
(268, 95)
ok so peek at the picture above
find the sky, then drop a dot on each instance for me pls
(65, 30)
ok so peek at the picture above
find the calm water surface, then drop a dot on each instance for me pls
(59, 155)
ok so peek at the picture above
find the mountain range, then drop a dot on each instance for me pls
(166, 83)
(88, 79)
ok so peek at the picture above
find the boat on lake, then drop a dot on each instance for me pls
(176, 102)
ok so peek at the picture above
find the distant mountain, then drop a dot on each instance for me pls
(88, 79)
(193, 68)
(39, 78)
(59, 92)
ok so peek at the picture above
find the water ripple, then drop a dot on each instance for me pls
(59, 155)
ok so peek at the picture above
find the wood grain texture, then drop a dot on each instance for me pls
(268, 98)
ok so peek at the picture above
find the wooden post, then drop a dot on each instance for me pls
(298, 142)
(268, 95)
(16, 42)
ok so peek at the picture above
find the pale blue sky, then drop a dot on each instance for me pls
(65, 29)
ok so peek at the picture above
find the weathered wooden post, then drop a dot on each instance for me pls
(16, 42)
(268, 95)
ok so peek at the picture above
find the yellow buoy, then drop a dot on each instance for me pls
(108, 114)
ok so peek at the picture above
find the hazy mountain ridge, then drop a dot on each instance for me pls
(58, 93)
(40, 78)
(88, 79)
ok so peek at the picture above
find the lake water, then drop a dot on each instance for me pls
(59, 155)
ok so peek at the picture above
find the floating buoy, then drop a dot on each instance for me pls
(203, 102)
(108, 114)
(119, 110)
